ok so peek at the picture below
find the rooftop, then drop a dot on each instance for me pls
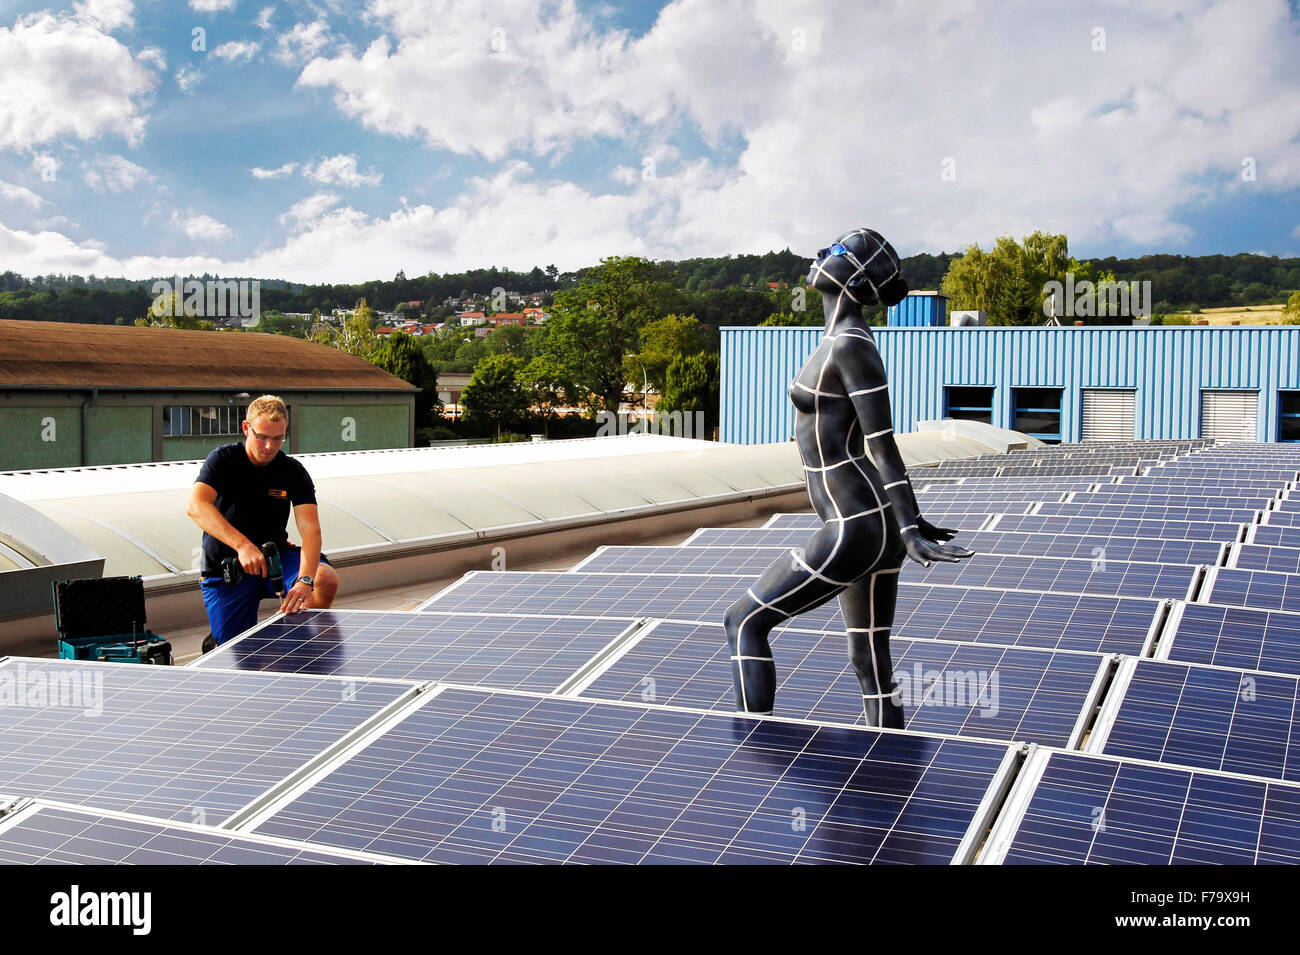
(65, 355)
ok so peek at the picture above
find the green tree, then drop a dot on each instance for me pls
(663, 340)
(592, 327)
(494, 391)
(693, 386)
(546, 388)
(171, 313)
(789, 319)
(402, 357)
(1291, 313)
(508, 340)
(274, 323)
(1008, 281)
(471, 352)
(358, 336)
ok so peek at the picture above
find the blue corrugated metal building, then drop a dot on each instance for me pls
(1063, 383)
(920, 308)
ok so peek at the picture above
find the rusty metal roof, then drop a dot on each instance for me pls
(64, 355)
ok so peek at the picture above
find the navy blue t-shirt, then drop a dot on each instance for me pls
(255, 500)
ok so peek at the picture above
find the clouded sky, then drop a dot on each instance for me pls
(326, 140)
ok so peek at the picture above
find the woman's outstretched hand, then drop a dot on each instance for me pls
(923, 549)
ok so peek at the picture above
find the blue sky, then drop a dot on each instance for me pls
(326, 140)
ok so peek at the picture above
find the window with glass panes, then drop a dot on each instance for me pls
(1037, 411)
(187, 420)
(968, 403)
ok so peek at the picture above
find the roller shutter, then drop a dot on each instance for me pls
(1230, 415)
(1107, 414)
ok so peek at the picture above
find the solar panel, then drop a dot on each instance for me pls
(1213, 470)
(534, 653)
(1069, 808)
(953, 688)
(944, 518)
(476, 776)
(1053, 621)
(1120, 527)
(1281, 560)
(1282, 518)
(1224, 484)
(1239, 637)
(998, 485)
(169, 742)
(1095, 547)
(45, 834)
(1274, 535)
(1004, 571)
(961, 498)
(976, 470)
(1146, 499)
(1172, 512)
(1202, 717)
(1090, 547)
(1055, 470)
(1261, 589)
(1098, 576)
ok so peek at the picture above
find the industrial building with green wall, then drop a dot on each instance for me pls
(77, 395)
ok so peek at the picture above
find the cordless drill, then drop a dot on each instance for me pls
(232, 572)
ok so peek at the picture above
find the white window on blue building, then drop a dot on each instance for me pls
(1106, 414)
(1229, 415)
(968, 403)
(1037, 411)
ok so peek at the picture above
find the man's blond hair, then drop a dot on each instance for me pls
(268, 406)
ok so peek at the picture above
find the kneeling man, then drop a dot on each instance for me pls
(241, 500)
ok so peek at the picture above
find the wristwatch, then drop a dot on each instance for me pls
(304, 579)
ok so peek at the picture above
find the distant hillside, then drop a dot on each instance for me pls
(721, 290)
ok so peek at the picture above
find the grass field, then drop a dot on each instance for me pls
(1247, 315)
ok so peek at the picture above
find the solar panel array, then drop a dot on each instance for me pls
(1100, 574)
(43, 833)
(1141, 636)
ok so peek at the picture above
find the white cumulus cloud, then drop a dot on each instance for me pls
(310, 208)
(342, 170)
(199, 227)
(109, 14)
(940, 124)
(66, 76)
(236, 50)
(303, 42)
(211, 6)
(186, 77)
(286, 169)
(153, 56)
(16, 193)
(113, 174)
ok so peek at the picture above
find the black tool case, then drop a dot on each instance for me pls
(103, 618)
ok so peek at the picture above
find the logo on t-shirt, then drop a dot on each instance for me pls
(274, 493)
